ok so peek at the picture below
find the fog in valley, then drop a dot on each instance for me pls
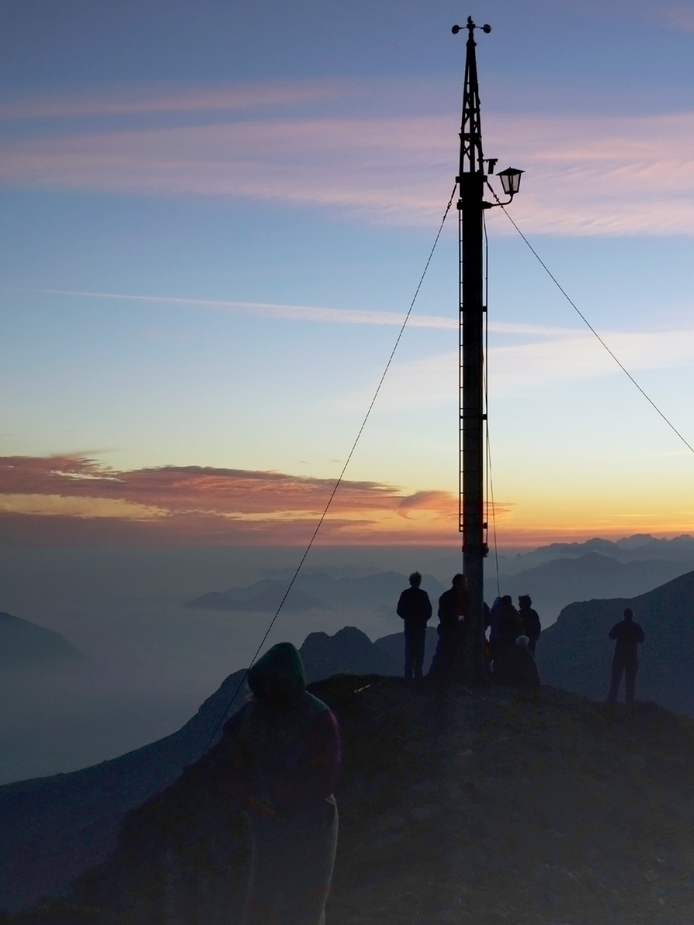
(152, 659)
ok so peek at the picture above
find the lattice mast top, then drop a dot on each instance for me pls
(471, 179)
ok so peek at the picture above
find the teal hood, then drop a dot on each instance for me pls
(281, 670)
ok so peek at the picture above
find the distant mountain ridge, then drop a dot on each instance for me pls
(316, 591)
(28, 647)
(554, 584)
(265, 601)
(639, 546)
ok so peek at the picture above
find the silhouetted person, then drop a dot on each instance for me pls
(414, 607)
(506, 627)
(628, 635)
(452, 610)
(515, 665)
(531, 621)
(506, 623)
(284, 768)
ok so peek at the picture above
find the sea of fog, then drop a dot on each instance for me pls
(153, 660)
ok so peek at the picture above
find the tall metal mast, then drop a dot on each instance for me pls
(471, 178)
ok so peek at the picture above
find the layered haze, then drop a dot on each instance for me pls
(214, 220)
(162, 627)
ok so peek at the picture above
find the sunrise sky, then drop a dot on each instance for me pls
(213, 219)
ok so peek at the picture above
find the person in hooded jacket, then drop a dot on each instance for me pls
(628, 635)
(285, 763)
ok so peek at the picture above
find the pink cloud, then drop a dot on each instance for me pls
(187, 488)
(585, 174)
(681, 17)
(137, 99)
(195, 504)
(73, 500)
(296, 160)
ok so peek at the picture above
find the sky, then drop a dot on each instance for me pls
(214, 217)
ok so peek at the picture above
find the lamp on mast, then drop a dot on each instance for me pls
(471, 179)
(510, 181)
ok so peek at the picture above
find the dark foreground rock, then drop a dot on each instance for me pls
(497, 807)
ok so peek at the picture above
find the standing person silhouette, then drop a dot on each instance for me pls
(452, 610)
(531, 621)
(628, 635)
(414, 607)
(506, 627)
(285, 762)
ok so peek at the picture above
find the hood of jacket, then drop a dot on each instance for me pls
(280, 672)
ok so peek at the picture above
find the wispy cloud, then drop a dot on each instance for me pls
(585, 174)
(194, 504)
(545, 354)
(594, 175)
(137, 99)
(680, 16)
(581, 356)
(559, 356)
(314, 314)
(76, 500)
(294, 161)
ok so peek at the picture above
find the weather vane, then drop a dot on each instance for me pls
(471, 27)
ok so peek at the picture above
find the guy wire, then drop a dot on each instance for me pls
(589, 325)
(344, 468)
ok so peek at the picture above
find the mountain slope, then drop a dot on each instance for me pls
(54, 828)
(576, 652)
(552, 585)
(28, 647)
(494, 808)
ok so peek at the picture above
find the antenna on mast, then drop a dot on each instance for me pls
(471, 180)
(471, 205)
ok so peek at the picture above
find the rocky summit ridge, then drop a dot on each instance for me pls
(493, 808)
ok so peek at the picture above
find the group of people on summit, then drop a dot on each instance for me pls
(510, 648)
(510, 645)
